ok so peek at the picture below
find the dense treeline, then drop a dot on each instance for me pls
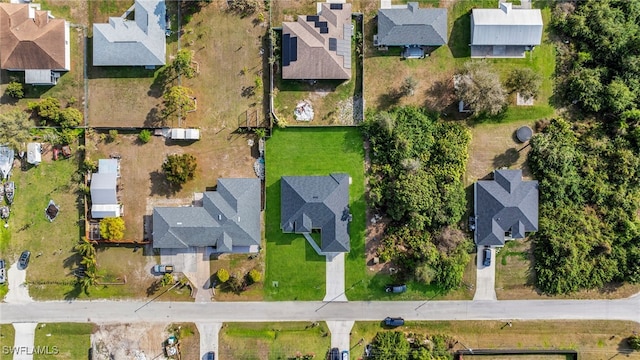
(416, 178)
(589, 204)
(600, 66)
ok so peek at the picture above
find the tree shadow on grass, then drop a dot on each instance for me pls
(73, 293)
(389, 99)
(160, 185)
(506, 159)
(154, 119)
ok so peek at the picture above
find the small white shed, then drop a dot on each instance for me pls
(34, 153)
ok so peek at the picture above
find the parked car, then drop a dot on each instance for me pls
(395, 288)
(345, 354)
(487, 257)
(3, 276)
(334, 354)
(393, 321)
(23, 262)
(210, 356)
(163, 269)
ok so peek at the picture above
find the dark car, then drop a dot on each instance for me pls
(334, 354)
(3, 277)
(393, 321)
(210, 356)
(23, 262)
(486, 260)
(395, 288)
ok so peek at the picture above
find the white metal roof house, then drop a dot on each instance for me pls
(506, 32)
(139, 42)
(104, 185)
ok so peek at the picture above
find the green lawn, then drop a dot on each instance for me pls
(299, 271)
(273, 341)
(63, 341)
(7, 336)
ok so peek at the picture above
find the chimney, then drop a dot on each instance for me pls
(413, 6)
(506, 7)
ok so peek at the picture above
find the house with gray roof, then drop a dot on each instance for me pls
(228, 220)
(506, 32)
(104, 190)
(318, 47)
(317, 203)
(505, 208)
(411, 25)
(138, 42)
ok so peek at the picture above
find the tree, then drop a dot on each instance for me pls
(235, 284)
(113, 135)
(70, 117)
(255, 276)
(167, 279)
(182, 64)
(144, 136)
(391, 345)
(112, 228)
(243, 7)
(480, 88)
(85, 248)
(48, 109)
(408, 87)
(179, 168)
(524, 81)
(15, 128)
(222, 275)
(178, 100)
(619, 96)
(14, 89)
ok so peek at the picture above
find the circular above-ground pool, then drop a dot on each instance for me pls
(524, 133)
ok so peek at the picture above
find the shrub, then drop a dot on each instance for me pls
(70, 117)
(222, 275)
(89, 165)
(112, 228)
(14, 89)
(255, 276)
(179, 168)
(634, 341)
(144, 136)
(113, 135)
(235, 284)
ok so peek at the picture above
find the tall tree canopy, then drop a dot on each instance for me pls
(14, 130)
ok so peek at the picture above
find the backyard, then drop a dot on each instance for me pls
(592, 339)
(282, 340)
(298, 270)
(385, 71)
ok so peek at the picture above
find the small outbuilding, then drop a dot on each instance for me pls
(34, 153)
(104, 184)
(185, 134)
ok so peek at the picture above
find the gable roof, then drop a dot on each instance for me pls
(141, 42)
(412, 26)
(32, 39)
(229, 218)
(505, 204)
(317, 202)
(318, 46)
(506, 26)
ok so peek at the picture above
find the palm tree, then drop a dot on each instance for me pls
(89, 262)
(85, 248)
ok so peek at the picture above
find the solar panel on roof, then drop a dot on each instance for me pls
(293, 51)
(333, 44)
(335, 6)
(313, 17)
(324, 30)
(286, 54)
(320, 24)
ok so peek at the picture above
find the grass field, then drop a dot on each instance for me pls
(72, 341)
(7, 336)
(385, 71)
(300, 272)
(592, 339)
(249, 341)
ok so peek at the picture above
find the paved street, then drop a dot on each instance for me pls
(125, 311)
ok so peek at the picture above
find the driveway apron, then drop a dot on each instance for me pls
(485, 277)
(209, 338)
(335, 278)
(24, 339)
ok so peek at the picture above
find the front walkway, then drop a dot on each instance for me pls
(208, 337)
(486, 277)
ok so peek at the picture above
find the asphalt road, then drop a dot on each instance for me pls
(132, 311)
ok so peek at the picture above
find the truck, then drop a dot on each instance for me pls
(163, 269)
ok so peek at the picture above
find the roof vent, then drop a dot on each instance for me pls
(238, 218)
(506, 7)
(179, 223)
(219, 217)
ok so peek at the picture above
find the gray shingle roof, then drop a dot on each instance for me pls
(229, 218)
(317, 202)
(124, 42)
(412, 26)
(505, 204)
(506, 26)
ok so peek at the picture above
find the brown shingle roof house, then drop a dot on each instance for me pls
(318, 46)
(34, 41)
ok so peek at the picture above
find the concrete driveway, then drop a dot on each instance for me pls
(340, 334)
(18, 290)
(24, 338)
(485, 277)
(208, 337)
(194, 264)
(335, 278)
